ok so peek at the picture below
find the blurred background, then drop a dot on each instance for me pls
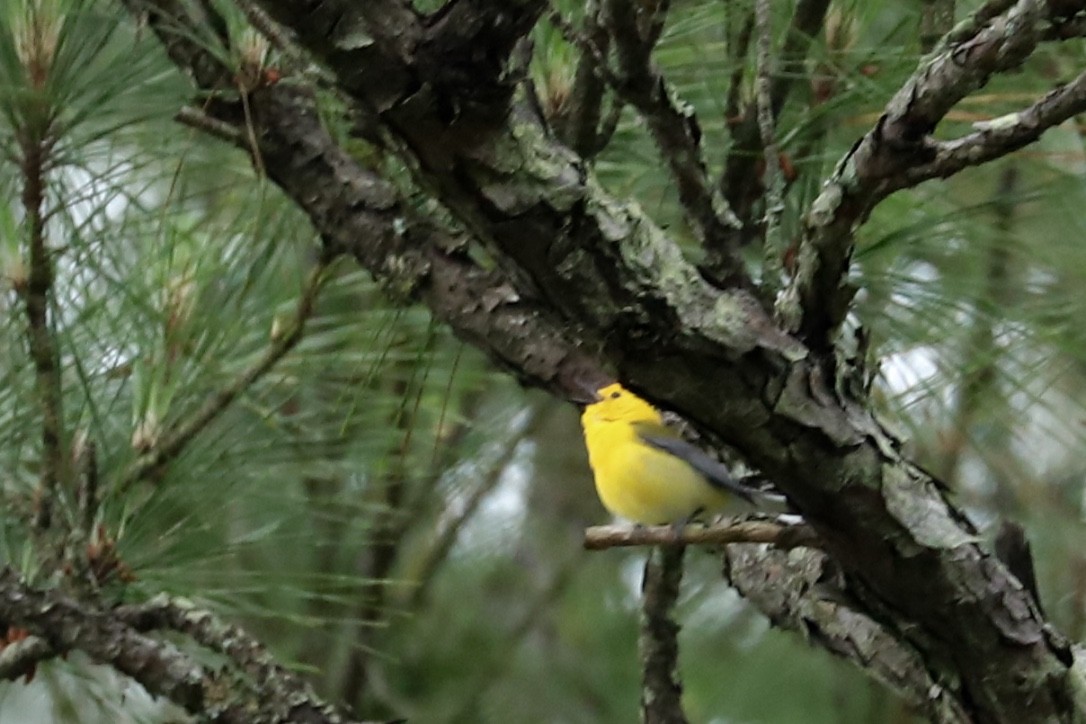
(396, 517)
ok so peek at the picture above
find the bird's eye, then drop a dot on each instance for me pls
(615, 395)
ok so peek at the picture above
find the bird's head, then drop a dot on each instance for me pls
(615, 403)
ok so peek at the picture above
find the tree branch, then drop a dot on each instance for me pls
(802, 591)
(187, 39)
(741, 162)
(222, 130)
(977, 21)
(522, 206)
(658, 646)
(737, 48)
(64, 624)
(773, 243)
(280, 692)
(676, 132)
(776, 534)
(819, 295)
(22, 657)
(357, 212)
(579, 124)
(34, 144)
(998, 137)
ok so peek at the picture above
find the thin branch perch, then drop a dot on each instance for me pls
(776, 534)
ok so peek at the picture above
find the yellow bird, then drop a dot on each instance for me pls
(644, 471)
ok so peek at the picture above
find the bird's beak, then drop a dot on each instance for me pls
(584, 392)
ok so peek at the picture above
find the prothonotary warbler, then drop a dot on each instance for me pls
(644, 471)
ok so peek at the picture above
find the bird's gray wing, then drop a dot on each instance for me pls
(713, 470)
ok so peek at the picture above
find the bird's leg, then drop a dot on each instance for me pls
(646, 569)
(679, 526)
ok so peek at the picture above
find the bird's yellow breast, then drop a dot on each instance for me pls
(639, 482)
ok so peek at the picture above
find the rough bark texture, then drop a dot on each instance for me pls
(118, 638)
(803, 591)
(658, 646)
